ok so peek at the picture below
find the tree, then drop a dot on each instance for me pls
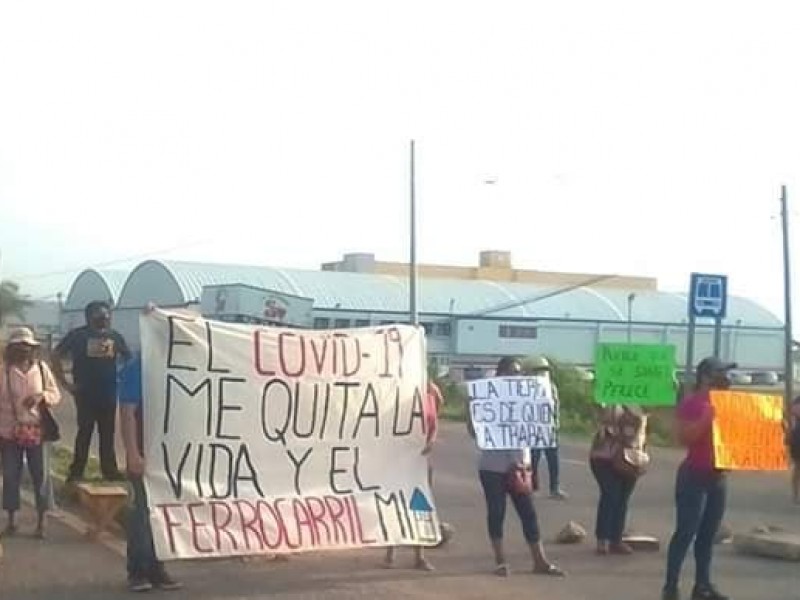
(12, 303)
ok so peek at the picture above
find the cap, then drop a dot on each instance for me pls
(537, 363)
(22, 335)
(713, 364)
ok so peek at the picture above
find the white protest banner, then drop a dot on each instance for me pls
(510, 413)
(261, 440)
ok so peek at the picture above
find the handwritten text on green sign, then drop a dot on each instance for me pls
(635, 374)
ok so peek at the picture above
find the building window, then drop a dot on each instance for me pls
(341, 323)
(442, 330)
(387, 322)
(428, 327)
(362, 322)
(322, 323)
(517, 332)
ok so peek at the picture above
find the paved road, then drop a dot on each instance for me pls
(85, 571)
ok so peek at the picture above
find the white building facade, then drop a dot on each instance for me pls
(468, 323)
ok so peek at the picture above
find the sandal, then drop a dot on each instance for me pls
(9, 531)
(620, 549)
(549, 570)
(424, 565)
(502, 570)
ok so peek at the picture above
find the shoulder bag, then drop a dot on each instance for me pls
(51, 432)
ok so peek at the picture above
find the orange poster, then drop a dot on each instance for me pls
(748, 432)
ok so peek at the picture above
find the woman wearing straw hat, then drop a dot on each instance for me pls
(27, 386)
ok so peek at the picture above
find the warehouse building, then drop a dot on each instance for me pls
(471, 315)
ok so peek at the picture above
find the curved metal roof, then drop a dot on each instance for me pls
(107, 283)
(369, 292)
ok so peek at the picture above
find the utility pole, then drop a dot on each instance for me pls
(788, 365)
(412, 263)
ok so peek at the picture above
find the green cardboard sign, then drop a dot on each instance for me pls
(642, 374)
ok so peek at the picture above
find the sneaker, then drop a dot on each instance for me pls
(163, 581)
(707, 592)
(138, 583)
(558, 494)
(670, 594)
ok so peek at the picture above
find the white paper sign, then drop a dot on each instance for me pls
(262, 440)
(510, 413)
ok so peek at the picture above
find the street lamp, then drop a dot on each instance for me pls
(631, 298)
(735, 343)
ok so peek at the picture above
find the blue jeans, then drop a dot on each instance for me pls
(551, 454)
(495, 490)
(142, 561)
(612, 508)
(13, 457)
(700, 506)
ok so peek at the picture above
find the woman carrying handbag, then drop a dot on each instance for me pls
(27, 390)
(617, 460)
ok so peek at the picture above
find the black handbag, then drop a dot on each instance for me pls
(50, 429)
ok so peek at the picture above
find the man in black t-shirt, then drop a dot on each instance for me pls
(94, 350)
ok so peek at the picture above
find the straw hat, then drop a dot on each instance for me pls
(22, 335)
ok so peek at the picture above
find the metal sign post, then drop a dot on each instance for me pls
(717, 337)
(689, 348)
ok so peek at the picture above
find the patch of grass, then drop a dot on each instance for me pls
(455, 400)
(61, 459)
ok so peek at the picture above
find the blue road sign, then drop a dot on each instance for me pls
(708, 295)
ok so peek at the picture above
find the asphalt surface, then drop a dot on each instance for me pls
(68, 567)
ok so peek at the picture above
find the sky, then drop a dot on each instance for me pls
(629, 137)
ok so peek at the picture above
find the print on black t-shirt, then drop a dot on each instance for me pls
(94, 360)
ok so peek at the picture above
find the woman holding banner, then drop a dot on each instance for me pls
(700, 488)
(617, 459)
(506, 473)
(794, 448)
(433, 400)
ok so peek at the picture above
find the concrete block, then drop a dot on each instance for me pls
(573, 533)
(724, 534)
(768, 529)
(785, 546)
(642, 543)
